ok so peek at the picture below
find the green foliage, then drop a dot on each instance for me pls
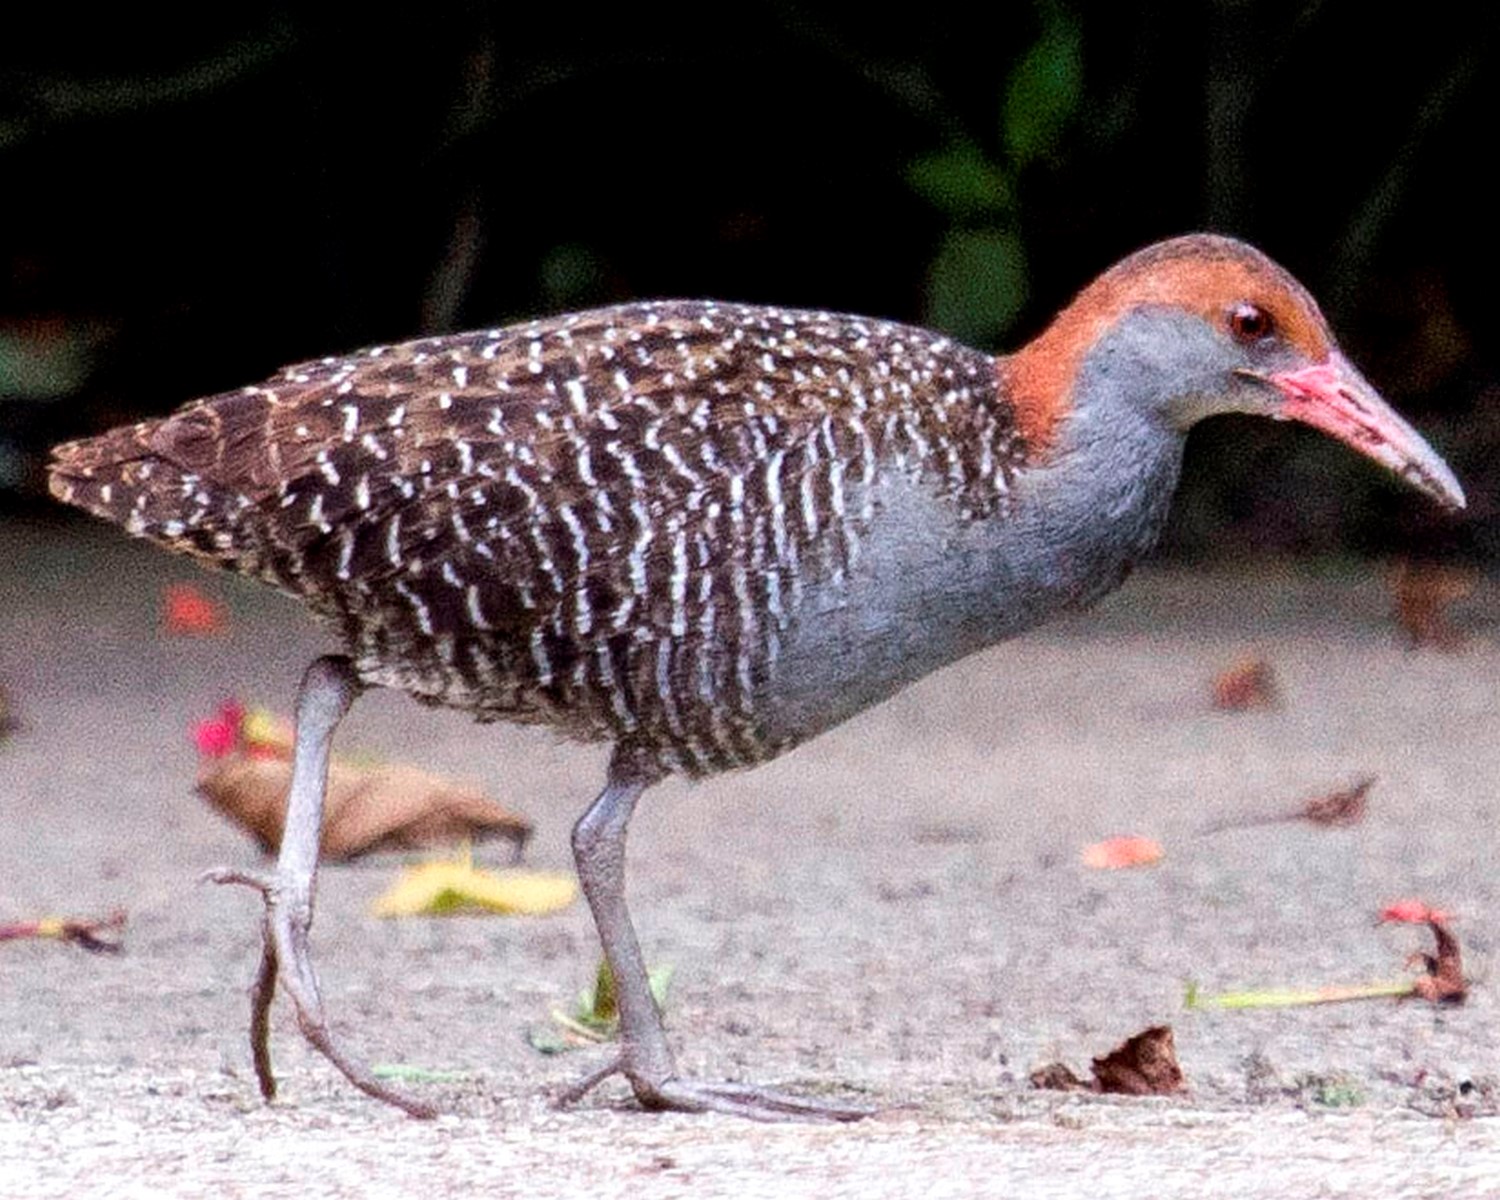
(601, 1008)
(977, 284)
(1332, 1091)
(596, 1016)
(571, 276)
(43, 363)
(961, 183)
(597, 1006)
(1044, 90)
(405, 1073)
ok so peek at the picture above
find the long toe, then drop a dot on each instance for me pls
(745, 1100)
(287, 959)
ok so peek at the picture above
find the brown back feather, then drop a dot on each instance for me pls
(525, 515)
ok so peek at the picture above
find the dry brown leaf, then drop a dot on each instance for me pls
(1444, 982)
(83, 932)
(8, 722)
(1441, 983)
(1058, 1077)
(1247, 683)
(1421, 595)
(1343, 807)
(1143, 1065)
(368, 809)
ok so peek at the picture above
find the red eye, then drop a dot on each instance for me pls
(1250, 322)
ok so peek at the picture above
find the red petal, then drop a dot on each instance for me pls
(215, 738)
(1113, 853)
(187, 611)
(1413, 912)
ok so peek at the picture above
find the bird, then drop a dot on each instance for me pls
(704, 533)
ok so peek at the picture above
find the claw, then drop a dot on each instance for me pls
(572, 1095)
(285, 955)
(261, 996)
(698, 1096)
(756, 1103)
(645, 1059)
(251, 879)
(327, 691)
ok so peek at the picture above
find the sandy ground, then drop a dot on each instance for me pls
(893, 914)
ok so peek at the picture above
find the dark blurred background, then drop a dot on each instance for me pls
(189, 204)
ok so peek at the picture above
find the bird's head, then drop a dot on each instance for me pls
(1200, 325)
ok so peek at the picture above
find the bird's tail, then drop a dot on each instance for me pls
(124, 477)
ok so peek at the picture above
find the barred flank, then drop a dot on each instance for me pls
(602, 521)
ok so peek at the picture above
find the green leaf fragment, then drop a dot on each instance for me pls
(602, 1008)
(1334, 1091)
(404, 1073)
(572, 275)
(961, 183)
(586, 1031)
(1295, 997)
(1044, 91)
(43, 365)
(546, 1041)
(595, 1017)
(659, 979)
(977, 286)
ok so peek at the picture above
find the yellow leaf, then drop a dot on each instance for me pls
(446, 886)
(264, 730)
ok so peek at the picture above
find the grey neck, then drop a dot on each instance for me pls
(933, 587)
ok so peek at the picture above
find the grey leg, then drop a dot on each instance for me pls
(328, 689)
(645, 1059)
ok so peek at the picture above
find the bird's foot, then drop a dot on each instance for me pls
(286, 955)
(746, 1100)
(699, 1095)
